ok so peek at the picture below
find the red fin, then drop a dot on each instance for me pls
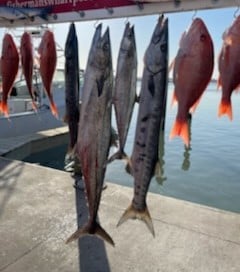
(194, 106)
(53, 107)
(4, 108)
(174, 99)
(225, 108)
(219, 83)
(181, 129)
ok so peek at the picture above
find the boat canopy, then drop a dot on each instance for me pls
(14, 13)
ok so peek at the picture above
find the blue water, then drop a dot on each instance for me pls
(208, 173)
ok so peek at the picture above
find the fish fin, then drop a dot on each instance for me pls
(170, 68)
(114, 137)
(4, 108)
(219, 83)
(194, 106)
(137, 98)
(128, 167)
(119, 155)
(225, 107)
(87, 230)
(132, 213)
(53, 107)
(180, 128)
(174, 99)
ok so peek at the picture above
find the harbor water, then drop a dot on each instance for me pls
(207, 173)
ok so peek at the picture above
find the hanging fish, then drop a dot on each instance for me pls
(72, 87)
(9, 69)
(229, 67)
(125, 88)
(94, 133)
(48, 61)
(27, 59)
(193, 67)
(144, 157)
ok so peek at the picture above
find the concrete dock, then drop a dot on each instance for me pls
(39, 209)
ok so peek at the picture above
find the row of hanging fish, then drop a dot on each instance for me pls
(10, 61)
(193, 68)
(192, 71)
(99, 92)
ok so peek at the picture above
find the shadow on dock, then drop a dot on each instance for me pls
(92, 251)
(8, 180)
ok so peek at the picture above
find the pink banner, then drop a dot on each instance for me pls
(60, 6)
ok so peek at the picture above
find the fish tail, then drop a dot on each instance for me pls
(180, 128)
(225, 107)
(87, 230)
(53, 107)
(119, 155)
(4, 108)
(132, 213)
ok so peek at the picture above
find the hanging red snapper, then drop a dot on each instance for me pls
(9, 68)
(26, 51)
(48, 61)
(192, 72)
(229, 67)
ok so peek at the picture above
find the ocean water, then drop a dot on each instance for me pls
(207, 173)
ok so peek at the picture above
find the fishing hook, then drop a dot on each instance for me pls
(126, 21)
(236, 11)
(194, 15)
(96, 23)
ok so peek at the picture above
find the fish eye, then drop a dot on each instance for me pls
(202, 37)
(105, 47)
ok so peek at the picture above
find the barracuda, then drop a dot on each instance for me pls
(150, 115)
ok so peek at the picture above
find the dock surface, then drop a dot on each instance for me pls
(40, 209)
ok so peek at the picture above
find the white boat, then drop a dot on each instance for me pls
(23, 119)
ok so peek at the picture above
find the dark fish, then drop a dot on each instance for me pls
(72, 87)
(125, 88)
(9, 69)
(144, 157)
(94, 133)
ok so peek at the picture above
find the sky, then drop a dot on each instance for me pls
(216, 20)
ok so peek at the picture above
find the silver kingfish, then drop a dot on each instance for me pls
(144, 157)
(94, 133)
